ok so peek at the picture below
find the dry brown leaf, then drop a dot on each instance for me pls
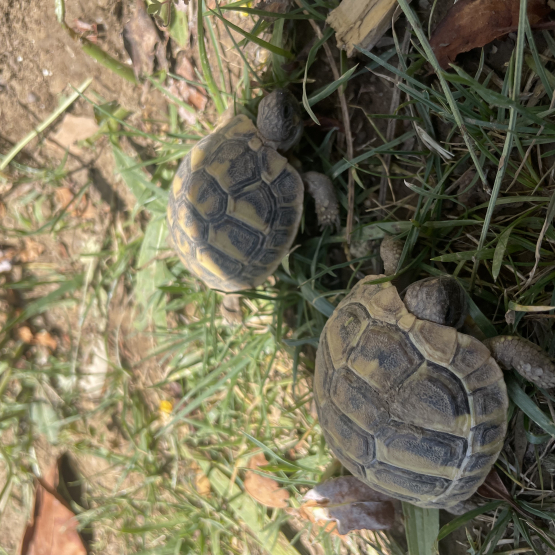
(25, 334)
(350, 503)
(192, 95)
(263, 489)
(84, 209)
(53, 529)
(182, 5)
(140, 39)
(273, 6)
(494, 488)
(473, 23)
(187, 93)
(202, 484)
(31, 251)
(64, 196)
(73, 129)
(46, 340)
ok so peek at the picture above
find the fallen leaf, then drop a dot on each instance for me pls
(349, 503)
(187, 93)
(263, 489)
(473, 23)
(64, 196)
(273, 6)
(181, 5)
(25, 334)
(72, 130)
(94, 369)
(46, 340)
(5, 261)
(494, 488)
(194, 95)
(83, 209)
(53, 528)
(202, 484)
(140, 39)
(31, 251)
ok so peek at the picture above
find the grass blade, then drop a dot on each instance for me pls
(267, 45)
(422, 528)
(205, 63)
(152, 273)
(524, 403)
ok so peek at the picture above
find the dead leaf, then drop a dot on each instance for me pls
(202, 484)
(273, 6)
(195, 95)
(72, 130)
(350, 503)
(140, 39)
(201, 481)
(182, 5)
(187, 93)
(473, 23)
(263, 489)
(83, 209)
(53, 529)
(5, 261)
(46, 340)
(32, 250)
(494, 488)
(25, 334)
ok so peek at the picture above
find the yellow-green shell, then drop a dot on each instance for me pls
(414, 409)
(234, 208)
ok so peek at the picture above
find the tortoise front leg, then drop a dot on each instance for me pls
(231, 309)
(527, 358)
(320, 188)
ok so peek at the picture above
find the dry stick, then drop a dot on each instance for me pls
(346, 125)
(395, 100)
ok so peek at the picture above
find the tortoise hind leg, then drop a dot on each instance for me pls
(527, 358)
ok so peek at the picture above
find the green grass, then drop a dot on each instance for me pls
(235, 391)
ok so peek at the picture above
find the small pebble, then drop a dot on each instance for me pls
(46, 73)
(32, 98)
(19, 59)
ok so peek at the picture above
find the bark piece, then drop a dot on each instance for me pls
(361, 22)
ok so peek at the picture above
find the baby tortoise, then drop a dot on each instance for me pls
(408, 404)
(235, 203)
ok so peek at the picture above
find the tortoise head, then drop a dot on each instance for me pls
(438, 299)
(279, 120)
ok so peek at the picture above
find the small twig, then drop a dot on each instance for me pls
(346, 125)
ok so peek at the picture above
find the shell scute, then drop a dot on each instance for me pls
(384, 357)
(205, 195)
(234, 165)
(435, 399)
(237, 241)
(288, 186)
(256, 208)
(357, 400)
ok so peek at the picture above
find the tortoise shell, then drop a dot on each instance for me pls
(414, 409)
(234, 207)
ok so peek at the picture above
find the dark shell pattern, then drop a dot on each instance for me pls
(414, 409)
(234, 208)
